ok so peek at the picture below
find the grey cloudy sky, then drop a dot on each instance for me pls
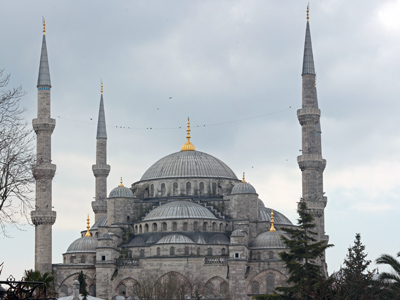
(221, 62)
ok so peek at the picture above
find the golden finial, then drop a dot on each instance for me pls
(88, 226)
(44, 26)
(243, 180)
(188, 146)
(308, 11)
(121, 183)
(272, 221)
(101, 86)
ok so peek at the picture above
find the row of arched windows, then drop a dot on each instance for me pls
(195, 226)
(79, 259)
(188, 189)
(186, 251)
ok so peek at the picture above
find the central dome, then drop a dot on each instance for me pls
(189, 164)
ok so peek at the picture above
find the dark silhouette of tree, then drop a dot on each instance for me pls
(47, 279)
(82, 285)
(392, 279)
(16, 157)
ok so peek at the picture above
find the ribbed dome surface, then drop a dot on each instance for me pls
(83, 244)
(269, 239)
(264, 214)
(121, 192)
(243, 188)
(188, 164)
(219, 239)
(179, 210)
(175, 239)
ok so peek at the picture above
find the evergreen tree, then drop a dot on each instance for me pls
(303, 259)
(82, 285)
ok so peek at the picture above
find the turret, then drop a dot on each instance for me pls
(43, 217)
(101, 169)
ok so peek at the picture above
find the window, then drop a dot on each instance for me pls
(255, 288)
(172, 251)
(141, 253)
(201, 188)
(140, 229)
(237, 255)
(152, 190)
(205, 225)
(158, 251)
(164, 226)
(223, 251)
(209, 251)
(103, 257)
(163, 190)
(195, 226)
(71, 260)
(198, 251)
(214, 188)
(83, 259)
(154, 227)
(175, 189)
(271, 255)
(174, 226)
(221, 227)
(270, 283)
(146, 228)
(188, 188)
(94, 259)
(186, 250)
(185, 226)
(258, 256)
(214, 226)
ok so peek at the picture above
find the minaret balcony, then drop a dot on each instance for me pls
(44, 171)
(43, 124)
(40, 217)
(311, 162)
(101, 170)
(308, 115)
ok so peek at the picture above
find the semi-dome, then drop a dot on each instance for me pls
(269, 239)
(121, 192)
(243, 188)
(83, 244)
(175, 239)
(179, 210)
(219, 239)
(238, 232)
(264, 214)
(186, 164)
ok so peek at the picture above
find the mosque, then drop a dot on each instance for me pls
(189, 226)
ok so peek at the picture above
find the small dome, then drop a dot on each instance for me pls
(179, 210)
(264, 214)
(243, 188)
(269, 239)
(238, 232)
(121, 192)
(175, 239)
(219, 239)
(83, 244)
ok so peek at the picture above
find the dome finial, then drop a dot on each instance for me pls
(44, 26)
(272, 221)
(88, 226)
(243, 180)
(188, 146)
(101, 86)
(121, 184)
(308, 12)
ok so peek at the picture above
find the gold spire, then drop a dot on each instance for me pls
(121, 183)
(315, 81)
(88, 226)
(44, 27)
(272, 221)
(102, 86)
(308, 11)
(188, 146)
(243, 180)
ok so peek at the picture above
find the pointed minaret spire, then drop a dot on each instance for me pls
(308, 60)
(101, 169)
(44, 71)
(43, 217)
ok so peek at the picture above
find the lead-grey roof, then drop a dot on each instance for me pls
(175, 239)
(219, 239)
(186, 164)
(264, 214)
(269, 239)
(243, 188)
(179, 210)
(308, 60)
(121, 192)
(101, 123)
(83, 244)
(102, 221)
(44, 71)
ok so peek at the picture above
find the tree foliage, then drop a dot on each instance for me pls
(48, 280)
(392, 279)
(16, 157)
(82, 285)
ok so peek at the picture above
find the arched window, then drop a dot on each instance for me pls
(258, 256)
(270, 283)
(146, 193)
(214, 188)
(172, 251)
(188, 188)
(221, 227)
(219, 190)
(174, 226)
(198, 251)
(83, 259)
(141, 253)
(175, 189)
(122, 290)
(154, 227)
(94, 259)
(214, 226)
(255, 288)
(140, 229)
(271, 255)
(223, 288)
(158, 251)
(185, 226)
(71, 260)
(152, 190)
(209, 251)
(186, 250)
(223, 251)
(205, 225)
(201, 188)
(195, 226)
(164, 226)
(163, 190)
(136, 229)
(146, 228)
(65, 260)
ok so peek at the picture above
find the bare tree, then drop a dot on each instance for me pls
(16, 157)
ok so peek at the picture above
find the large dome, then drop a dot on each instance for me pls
(188, 164)
(180, 210)
(83, 244)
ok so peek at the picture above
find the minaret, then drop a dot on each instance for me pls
(311, 163)
(101, 169)
(43, 217)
